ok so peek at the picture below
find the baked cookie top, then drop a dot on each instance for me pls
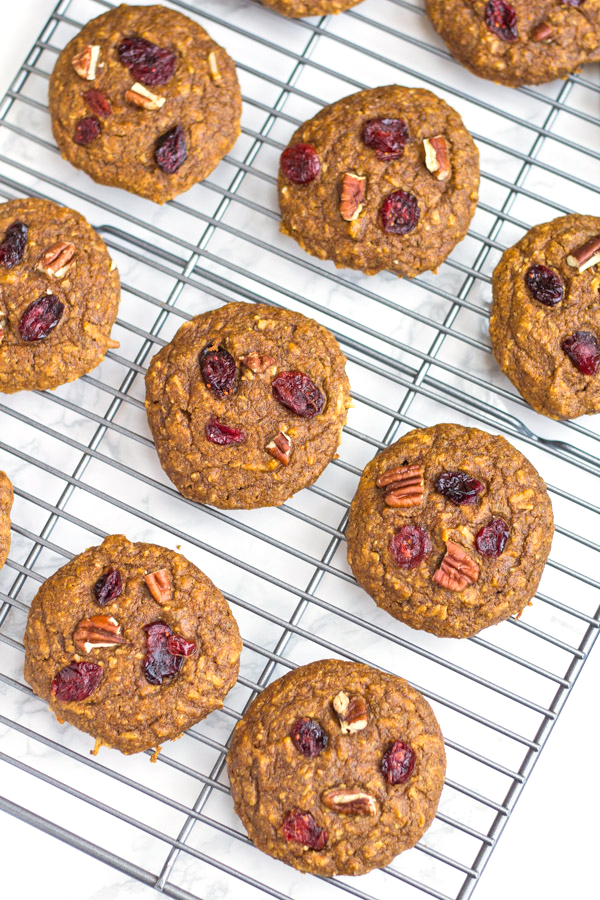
(545, 318)
(450, 529)
(131, 643)
(521, 42)
(143, 99)
(6, 502)
(298, 8)
(59, 295)
(336, 768)
(247, 404)
(383, 179)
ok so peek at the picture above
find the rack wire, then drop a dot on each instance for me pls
(83, 463)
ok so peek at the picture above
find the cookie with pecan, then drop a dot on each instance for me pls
(297, 8)
(131, 643)
(450, 529)
(247, 404)
(336, 768)
(6, 502)
(143, 99)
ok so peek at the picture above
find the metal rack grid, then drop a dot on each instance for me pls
(83, 463)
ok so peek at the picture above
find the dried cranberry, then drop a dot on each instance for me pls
(171, 150)
(147, 62)
(387, 137)
(13, 245)
(108, 587)
(301, 828)
(544, 285)
(459, 488)
(399, 213)
(219, 369)
(296, 391)
(409, 546)
(178, 646)
(41, 317)
(86, 130)
(98, 103)
(491, 539)
(76, 681)
(218, 433)
(398, 762)
(583, 350)
(501, 19)
(300, 163)
(308, 737)
(161, 662)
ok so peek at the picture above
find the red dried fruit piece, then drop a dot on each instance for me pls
(86, 130)
(583, 350)
(178, 646)
(41, 317)
(308, 737)
(108, 587)
(171, 150)
(161, 660)
(459, 488)
(409, 546)
(147, 62)
(218, 433)
(387, 137)
(398, 762)
(299, 393)
(300, 164)
(219, 370)
(501, 19)
(491, 539)
(13, 245)
(76, 681)
(544, 285)
(399, 213)
(301, 828)
(98, 103)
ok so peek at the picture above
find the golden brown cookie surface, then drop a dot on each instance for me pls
(6, 502)
(297, 8)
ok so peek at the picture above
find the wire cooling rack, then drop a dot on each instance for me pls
(83, 463)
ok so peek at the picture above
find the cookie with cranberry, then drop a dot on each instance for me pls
(59, 296)
(131, 643)
(247, 404)
(383, 179)
(450, 529)
(336, 768)
(545, 319)
(521, 41)
(6, 502)
(143, 99)
(298, 8)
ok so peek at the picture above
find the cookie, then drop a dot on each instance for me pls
(383, 179)
(298, 8)
(6, 502)
(59, 295)
(247, 404)
(336, 768)
(522, 42)
(143, 99)
(449, 530)
(131, 643)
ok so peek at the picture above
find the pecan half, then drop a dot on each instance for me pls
(349, 802)
(56, 260)
(351, 711)
(280, 448)
(404, 486)
(86, 62)
(586, 256)
(353, 193)
(458, 569)
(542, 33)
(437, 156)
(213, 67)
(96, 632)
(258, 363)
(142, 97)
(159, 585)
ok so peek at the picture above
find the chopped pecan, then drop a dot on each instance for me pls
(458, 569)
(280, 448)
(213, 67)
(57, 259)
(2, 327)
(159, 585)
(404, 486)
(86, 62)
(542, 33)
(353, 193)
(349, 802)
(351, 711)
(142, 97)
(258, 363)
(96, 632)
(586, 256)
(437, 157)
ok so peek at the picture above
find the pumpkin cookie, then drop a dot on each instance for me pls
(247, 404)
(143, 99)
(336, 768)
(131, 643)
(297, 8)
(6, 502)
(450, 530)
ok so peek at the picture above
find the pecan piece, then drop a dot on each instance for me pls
(213, 67)
(280, 448)
(2, 328)
(258, 363)
(586, 256)
(351, 711)
(353, 193)
(56, 260)
(458, 570)
(404, 486)
(349, 802)
(542, 33)
(96, 632)
(159, 585)
(437, 157)
(86, 62)
(142, 97)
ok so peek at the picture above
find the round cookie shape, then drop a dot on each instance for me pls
(544, 324)
(6, 502)
(351, 789)
(395, 186)
(143, 99)
(517, 42)
(131, 643)
(59, 296)
(298, 8)
(247, 404)
(449, 530)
